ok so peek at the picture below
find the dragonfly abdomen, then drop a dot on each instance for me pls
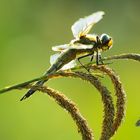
(63, 59)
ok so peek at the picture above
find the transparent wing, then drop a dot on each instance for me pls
(60, 48)
(83, 25)
(70, 65)
(54, 57)
(82, 46)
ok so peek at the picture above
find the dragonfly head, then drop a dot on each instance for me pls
(106, 42)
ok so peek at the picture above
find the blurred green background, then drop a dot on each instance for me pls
(28, 29)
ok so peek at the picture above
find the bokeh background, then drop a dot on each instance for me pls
(28, 29)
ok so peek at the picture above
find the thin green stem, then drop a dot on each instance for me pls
(18, 86)
(132, 56)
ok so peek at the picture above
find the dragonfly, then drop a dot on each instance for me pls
(83, 45)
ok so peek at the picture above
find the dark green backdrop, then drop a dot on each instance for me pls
(28, 30)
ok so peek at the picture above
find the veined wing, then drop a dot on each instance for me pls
(83, 25)
(54, 57)
(70, 65)
(60, 48)
(81, 46)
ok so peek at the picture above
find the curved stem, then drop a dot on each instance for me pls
(106, 98)
(70, 106)
(132, 56)
(119, 92)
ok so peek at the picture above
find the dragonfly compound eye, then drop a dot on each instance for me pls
(107, 42)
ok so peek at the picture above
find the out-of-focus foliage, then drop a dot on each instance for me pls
(28, 29)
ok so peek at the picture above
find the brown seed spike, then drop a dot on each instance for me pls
(70, 106)
(119, 92)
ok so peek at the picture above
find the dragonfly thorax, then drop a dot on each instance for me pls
(98, 43)
(87, 40)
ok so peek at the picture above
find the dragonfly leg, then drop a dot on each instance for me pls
(92, 57)
(97, 58)
(100, 59)
(84, 57)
